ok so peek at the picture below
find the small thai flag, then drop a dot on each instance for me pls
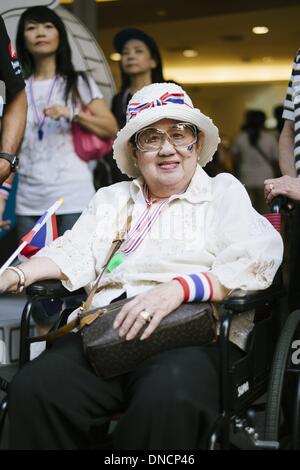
(46, 234)
(42, 234)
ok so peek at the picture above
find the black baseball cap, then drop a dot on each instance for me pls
(132, 33)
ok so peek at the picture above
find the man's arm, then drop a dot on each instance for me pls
(13, 123)
(286, 149)
(15, 110)
(13, 126)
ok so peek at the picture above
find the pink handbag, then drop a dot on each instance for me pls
(86, 144)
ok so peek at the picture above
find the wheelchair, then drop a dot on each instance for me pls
(243, 383)
(285, 380)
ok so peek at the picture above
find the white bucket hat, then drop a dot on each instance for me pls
(153, 103)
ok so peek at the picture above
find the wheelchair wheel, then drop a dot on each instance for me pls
(277, 375)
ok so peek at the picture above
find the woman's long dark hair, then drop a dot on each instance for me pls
(64, 65)
(156, 73)
(254, 124)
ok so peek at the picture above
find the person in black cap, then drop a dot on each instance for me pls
(140, 65)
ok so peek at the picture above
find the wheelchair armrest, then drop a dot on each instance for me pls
(50, 288)
(37, 291)
(241, 300)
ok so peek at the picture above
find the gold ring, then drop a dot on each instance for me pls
(145, 315)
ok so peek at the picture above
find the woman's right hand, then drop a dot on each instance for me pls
(57, 111)
(35, 269)
(8, 281)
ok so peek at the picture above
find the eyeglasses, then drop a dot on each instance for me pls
(151, 139)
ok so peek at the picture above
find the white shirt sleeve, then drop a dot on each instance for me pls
(248, 249)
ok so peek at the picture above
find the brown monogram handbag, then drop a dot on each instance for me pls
(191, 324)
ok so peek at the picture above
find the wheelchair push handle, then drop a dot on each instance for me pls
(281, 203)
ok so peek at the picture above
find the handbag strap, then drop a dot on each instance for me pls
(81, 320)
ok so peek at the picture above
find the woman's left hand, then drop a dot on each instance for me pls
(149, 307)
(57, 111)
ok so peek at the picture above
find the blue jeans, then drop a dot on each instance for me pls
(48, 311)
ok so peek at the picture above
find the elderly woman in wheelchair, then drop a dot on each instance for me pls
(192, 238)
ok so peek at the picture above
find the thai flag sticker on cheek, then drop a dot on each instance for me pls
(12, 51)
(190, 148)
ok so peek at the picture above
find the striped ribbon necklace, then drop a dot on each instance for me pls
(40, 118)
(139, 232)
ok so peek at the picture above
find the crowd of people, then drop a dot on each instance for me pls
(162, 144)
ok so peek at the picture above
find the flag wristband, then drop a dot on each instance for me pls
(21, 275)
(196, 287)
(5, 190)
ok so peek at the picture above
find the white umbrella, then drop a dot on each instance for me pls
(86, 53)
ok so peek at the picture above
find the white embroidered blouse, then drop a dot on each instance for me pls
(212, 227)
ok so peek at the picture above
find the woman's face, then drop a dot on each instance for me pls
(136, 58)
(41, 39)
(170, 169)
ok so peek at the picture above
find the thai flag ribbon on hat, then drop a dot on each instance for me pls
(166, 98)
